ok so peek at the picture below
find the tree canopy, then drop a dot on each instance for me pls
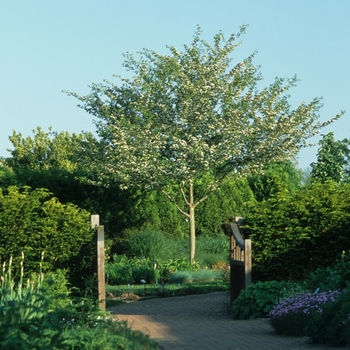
(276, 177)
(190, 115)
(331, 159)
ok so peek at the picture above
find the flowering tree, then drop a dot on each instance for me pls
(191, 115)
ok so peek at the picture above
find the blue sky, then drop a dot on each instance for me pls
(50, 46)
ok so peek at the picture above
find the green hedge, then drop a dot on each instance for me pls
(32, 222)
(293, 234)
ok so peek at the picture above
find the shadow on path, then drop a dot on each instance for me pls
(201, 322)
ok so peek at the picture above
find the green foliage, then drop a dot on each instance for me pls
(191, 116)
(218, 210)
(45, 150)
(295, 233)
(331, 159)
(7, 175)
(147, 244)
(276, 176)
(50, 160)
(336, 277)
(149, 275)
(324, 317)
(174, 265)
(291, 316)
(119, 293)
(202, 288)
(332, 325)
(55, 284)
(29, 319)
(32, 222)
(119, 270)
(125, 270)
(180, 277)
(202, 275)
(259, 298)
(210, 260)
(69, 328)
(210, 250)
(215, 245)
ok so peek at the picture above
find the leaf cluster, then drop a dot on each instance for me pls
(259, 298)
(294, 233)
(332, 157)
(332, 326)
(333, 277)
(37, 315)
(32, 222)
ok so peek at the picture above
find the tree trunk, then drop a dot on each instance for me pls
(192, 226)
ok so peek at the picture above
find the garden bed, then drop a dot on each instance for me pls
(125, 293)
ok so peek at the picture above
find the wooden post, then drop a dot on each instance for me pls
(95, 223)
(232, 256)
(240, 261)
(248, 262)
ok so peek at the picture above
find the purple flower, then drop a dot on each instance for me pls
(302, 303)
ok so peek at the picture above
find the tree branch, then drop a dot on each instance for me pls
(209, 192)
(184, 195)
(176, 205)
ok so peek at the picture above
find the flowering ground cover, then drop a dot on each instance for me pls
(292, 315)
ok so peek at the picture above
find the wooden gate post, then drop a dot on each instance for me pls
(248, 262)
(95, 224)
(240, 262)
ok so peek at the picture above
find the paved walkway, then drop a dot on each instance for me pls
(202, 322)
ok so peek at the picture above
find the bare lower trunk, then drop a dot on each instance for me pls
(192, 226)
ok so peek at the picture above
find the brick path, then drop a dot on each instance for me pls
(201, 322)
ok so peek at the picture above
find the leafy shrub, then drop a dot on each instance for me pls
(32, 222)
(28, 321)
(259, 298)
(80, 325)
(225, 270)
(293, 233)
(183, 264)
(124, 270)
(54, 284)
(331, 277)
(119, 270)
(332, 325)
(147, 244)
(292, 315)
(147, 274)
